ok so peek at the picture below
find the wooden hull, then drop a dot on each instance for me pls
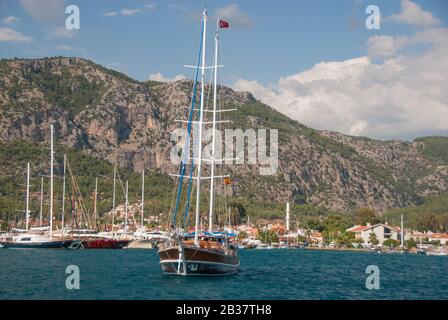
(197, 261)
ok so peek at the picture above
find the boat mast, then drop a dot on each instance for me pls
(126, 208)
(402, 232)
(27, 210)
(143, 195)
(287, 216)
(199, 140)
(113, 201)
(41, 200)
(63, 195)
(51, 181)
(212, 160)
(95, 202)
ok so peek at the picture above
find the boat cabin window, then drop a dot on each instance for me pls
(25, 239)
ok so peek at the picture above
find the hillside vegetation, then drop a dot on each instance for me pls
(435, 148)
(104, 115)
(431, 215)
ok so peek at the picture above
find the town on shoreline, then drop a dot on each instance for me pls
(324, 233)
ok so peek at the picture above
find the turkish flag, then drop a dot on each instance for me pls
(223, 24)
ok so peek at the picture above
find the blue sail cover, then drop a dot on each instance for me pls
(224, 233)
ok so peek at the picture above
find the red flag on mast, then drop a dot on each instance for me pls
(223, 24)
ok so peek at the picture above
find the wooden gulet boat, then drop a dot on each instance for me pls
(213, 255)
(199, 252)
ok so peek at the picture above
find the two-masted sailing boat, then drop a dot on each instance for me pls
(199, 252)
(42, 237)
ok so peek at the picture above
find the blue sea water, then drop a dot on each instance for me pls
(264, 274)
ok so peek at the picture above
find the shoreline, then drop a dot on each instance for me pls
(340, 249)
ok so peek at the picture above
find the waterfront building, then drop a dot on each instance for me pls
(316, 238)
(442, 237)
(382, 232)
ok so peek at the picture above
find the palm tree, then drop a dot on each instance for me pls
(373, 239)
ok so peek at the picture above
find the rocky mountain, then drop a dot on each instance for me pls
(129, 123)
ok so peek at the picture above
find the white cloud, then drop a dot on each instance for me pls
(159, 77)
(149, 6)
(412, 14)
(111, 14)
(131, 12)
(62, 32)
(66, 47)
(399, 97)
(52, 12)
(385, 46)
(177, 6)
(358, 127)
(44, 10)
(233, 15)
(10, 20)
(10, 35)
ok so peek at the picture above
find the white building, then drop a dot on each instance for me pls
(442, 237)
(382, 232)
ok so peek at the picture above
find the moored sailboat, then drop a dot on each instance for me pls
(83, 227)
(33, 240)
(39, 237)
(199, 252)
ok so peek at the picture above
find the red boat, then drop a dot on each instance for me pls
(104, 243)
(89, 239)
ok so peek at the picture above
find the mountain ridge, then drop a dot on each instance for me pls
(127, 122)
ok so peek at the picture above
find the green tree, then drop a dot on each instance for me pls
(410, 243)
(427, 222)
(329, 235)
(152, 224)
(365, 215)
(242, 235)
(336, 223)
(357, 242)
(241, 210)
(314, 223)
(345, 239)
(268, 236)
(373, 239)
(391, 243)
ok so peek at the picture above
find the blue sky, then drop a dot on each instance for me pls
(281, 37)
(267, 40)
